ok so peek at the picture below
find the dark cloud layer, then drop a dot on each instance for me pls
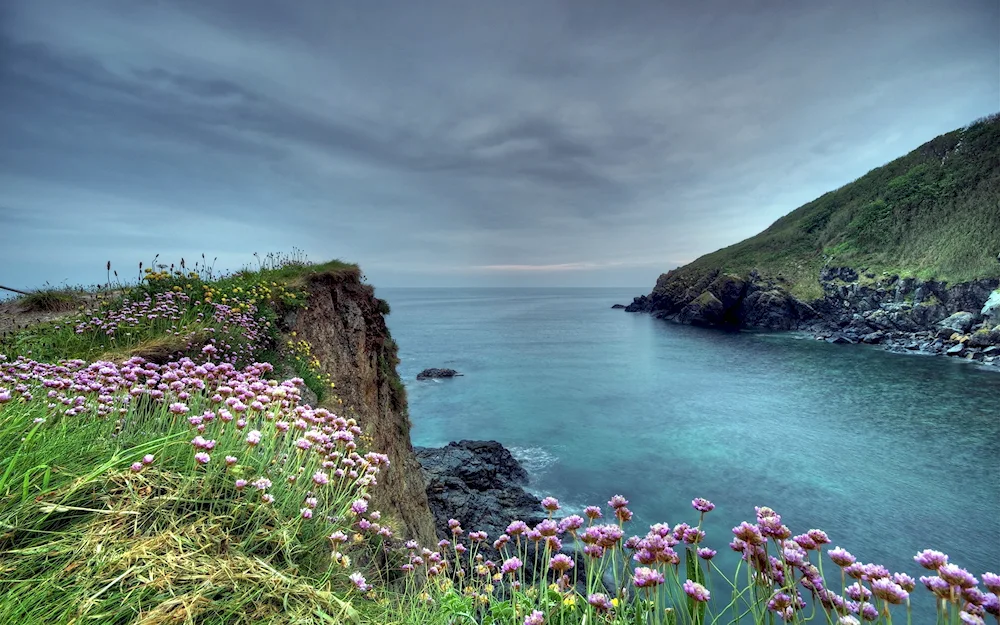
(454, 142)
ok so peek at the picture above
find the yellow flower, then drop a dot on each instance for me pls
(614, 602)
(570, 600)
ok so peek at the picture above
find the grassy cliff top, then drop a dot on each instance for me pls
(932, 214)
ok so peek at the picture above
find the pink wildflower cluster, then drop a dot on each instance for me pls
(239, 333)
(785, 565)
(239, 423)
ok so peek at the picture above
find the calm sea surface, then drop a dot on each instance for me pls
(890, 454)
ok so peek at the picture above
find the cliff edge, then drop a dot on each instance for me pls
(343, 323)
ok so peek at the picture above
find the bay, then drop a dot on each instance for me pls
(890, 454)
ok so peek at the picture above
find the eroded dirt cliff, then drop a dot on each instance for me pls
(344, 325)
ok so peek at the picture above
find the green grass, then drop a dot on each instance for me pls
(932, 214)
(85, 540)
(49, 300)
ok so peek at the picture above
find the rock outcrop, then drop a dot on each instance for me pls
(723, 300)
(427, 374)
(905, 314)
(991, 309)
(344, 325)
(480, 484)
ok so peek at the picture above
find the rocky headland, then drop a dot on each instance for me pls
(905, 257)
(900, 314)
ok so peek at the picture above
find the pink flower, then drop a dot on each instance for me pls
(696, 591)
(359, 581)
(645, 577)
(841, 557)
(136, 467)
(148, 459)
(931, 559)
(231, 460)
(535, 618)
(702, 505)
(253, 437)
(550, 503)
(561, 563)
(202, 458)
(618, 502)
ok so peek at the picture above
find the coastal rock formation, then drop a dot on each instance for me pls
(958, 322)
(904, 314)
(853, 265)
(618, 306)
(480, 484)
(427, 374)
(723, 300)
(991, 309)
(346, 330)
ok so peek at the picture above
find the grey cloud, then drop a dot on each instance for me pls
(450, 135)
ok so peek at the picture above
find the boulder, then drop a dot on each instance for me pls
(991, 309)
(705, 310)
(873, 338)
(427, 374)
(840, 339)
(958, 322)
(956, 350)
(984, 338)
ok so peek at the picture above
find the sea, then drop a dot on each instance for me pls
(888, 453)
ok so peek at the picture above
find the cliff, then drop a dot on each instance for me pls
(343, 323)
(889, 256)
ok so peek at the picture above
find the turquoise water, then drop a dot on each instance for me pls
(890, 454)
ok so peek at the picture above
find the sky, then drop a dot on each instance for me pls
(457, 143)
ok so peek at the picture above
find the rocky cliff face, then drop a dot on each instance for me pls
(900, 313)
(723, 300)
(345, 328)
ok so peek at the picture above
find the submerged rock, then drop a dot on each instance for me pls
(427, 374)
(618, 306)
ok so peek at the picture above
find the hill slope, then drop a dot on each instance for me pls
(925, 225)
(932, 214)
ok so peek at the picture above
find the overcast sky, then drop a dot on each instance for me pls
(457, 143)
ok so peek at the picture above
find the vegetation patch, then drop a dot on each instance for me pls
(49, 300)
(932, 214)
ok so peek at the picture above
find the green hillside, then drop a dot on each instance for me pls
(933, 214)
